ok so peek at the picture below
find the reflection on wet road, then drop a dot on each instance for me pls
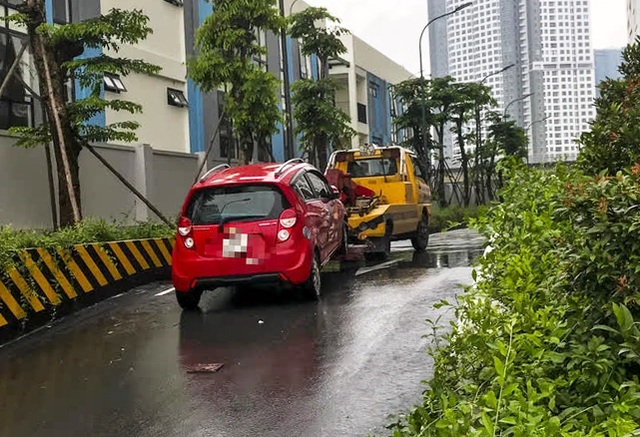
(334, 368)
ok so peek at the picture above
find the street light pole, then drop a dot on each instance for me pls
(529, 126)
(514, 101)
(422, 90)
(291, 6)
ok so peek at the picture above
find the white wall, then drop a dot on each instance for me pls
(164, 127)
(164, 177)
(371, 60)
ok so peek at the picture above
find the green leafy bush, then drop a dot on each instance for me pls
(612, 142)
(546, 342)
(87, 231)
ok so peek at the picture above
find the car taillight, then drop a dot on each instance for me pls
(287, 220)
(185, 227)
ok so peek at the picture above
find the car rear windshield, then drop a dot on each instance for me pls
(372, 167)
(210, 206)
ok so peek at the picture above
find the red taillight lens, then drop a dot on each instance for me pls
(288, 218)
(184, 226)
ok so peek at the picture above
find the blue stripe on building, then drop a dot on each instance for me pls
(48, 5)
(379, 112)
(196, 105)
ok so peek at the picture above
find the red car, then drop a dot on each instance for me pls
(257, 224)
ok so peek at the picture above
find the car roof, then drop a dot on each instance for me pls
(254, 173)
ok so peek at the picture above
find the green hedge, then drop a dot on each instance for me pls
(452, 217)
(547, 341)
(88, 231)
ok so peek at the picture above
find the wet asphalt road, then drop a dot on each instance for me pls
(334, 368)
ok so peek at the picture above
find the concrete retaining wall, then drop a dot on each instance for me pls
(40, 284)
(164, 177)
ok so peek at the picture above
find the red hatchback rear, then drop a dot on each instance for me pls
(256, 224)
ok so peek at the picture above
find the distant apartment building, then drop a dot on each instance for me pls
(633, 20)
(607, 62)
(177, 116)
(550, 90)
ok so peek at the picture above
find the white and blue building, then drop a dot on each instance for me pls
(178, 116)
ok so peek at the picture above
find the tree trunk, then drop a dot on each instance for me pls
(478, 158)
(245, 152)
(464, 164)
(442, 189)
(65, 145)
(488, 182)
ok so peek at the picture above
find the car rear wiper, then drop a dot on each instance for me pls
(226, 220)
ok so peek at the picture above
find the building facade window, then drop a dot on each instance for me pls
(362, 113)
(113, 83)
(61, 11)
(374, 90)
(16, 101)
(176, 98)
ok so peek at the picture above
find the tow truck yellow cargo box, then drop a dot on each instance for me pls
(385, 194)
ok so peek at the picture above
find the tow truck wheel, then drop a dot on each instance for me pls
(421, 239)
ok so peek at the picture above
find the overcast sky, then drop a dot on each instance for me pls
(393, 27)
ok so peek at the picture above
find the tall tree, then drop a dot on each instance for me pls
(320, 122)
(55, 51)
(317, 116)
(410, 94)
(506, 139)
(467, 97)
(612, 143)
(441, 99)
(228, 49)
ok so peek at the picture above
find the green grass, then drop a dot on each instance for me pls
(452, 217)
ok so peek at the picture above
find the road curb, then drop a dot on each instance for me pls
(43, 285)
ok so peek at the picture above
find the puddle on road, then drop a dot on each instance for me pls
(452, 258)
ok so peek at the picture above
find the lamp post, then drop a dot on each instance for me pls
(291, 6)
(479, 183)
(529, 126)
(422, 91)
(526, 96)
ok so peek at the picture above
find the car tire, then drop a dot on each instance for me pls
(421, 240)
(344, 245)
(189, 300)
(312, 288)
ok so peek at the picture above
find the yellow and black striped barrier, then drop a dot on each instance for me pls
(43, 283)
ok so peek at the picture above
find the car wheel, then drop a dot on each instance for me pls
(421, 239)
(312, 288)
(189, 300)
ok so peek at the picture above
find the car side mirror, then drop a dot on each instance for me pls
(335, 192)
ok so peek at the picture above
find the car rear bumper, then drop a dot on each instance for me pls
(194, 272)
(230, 281)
